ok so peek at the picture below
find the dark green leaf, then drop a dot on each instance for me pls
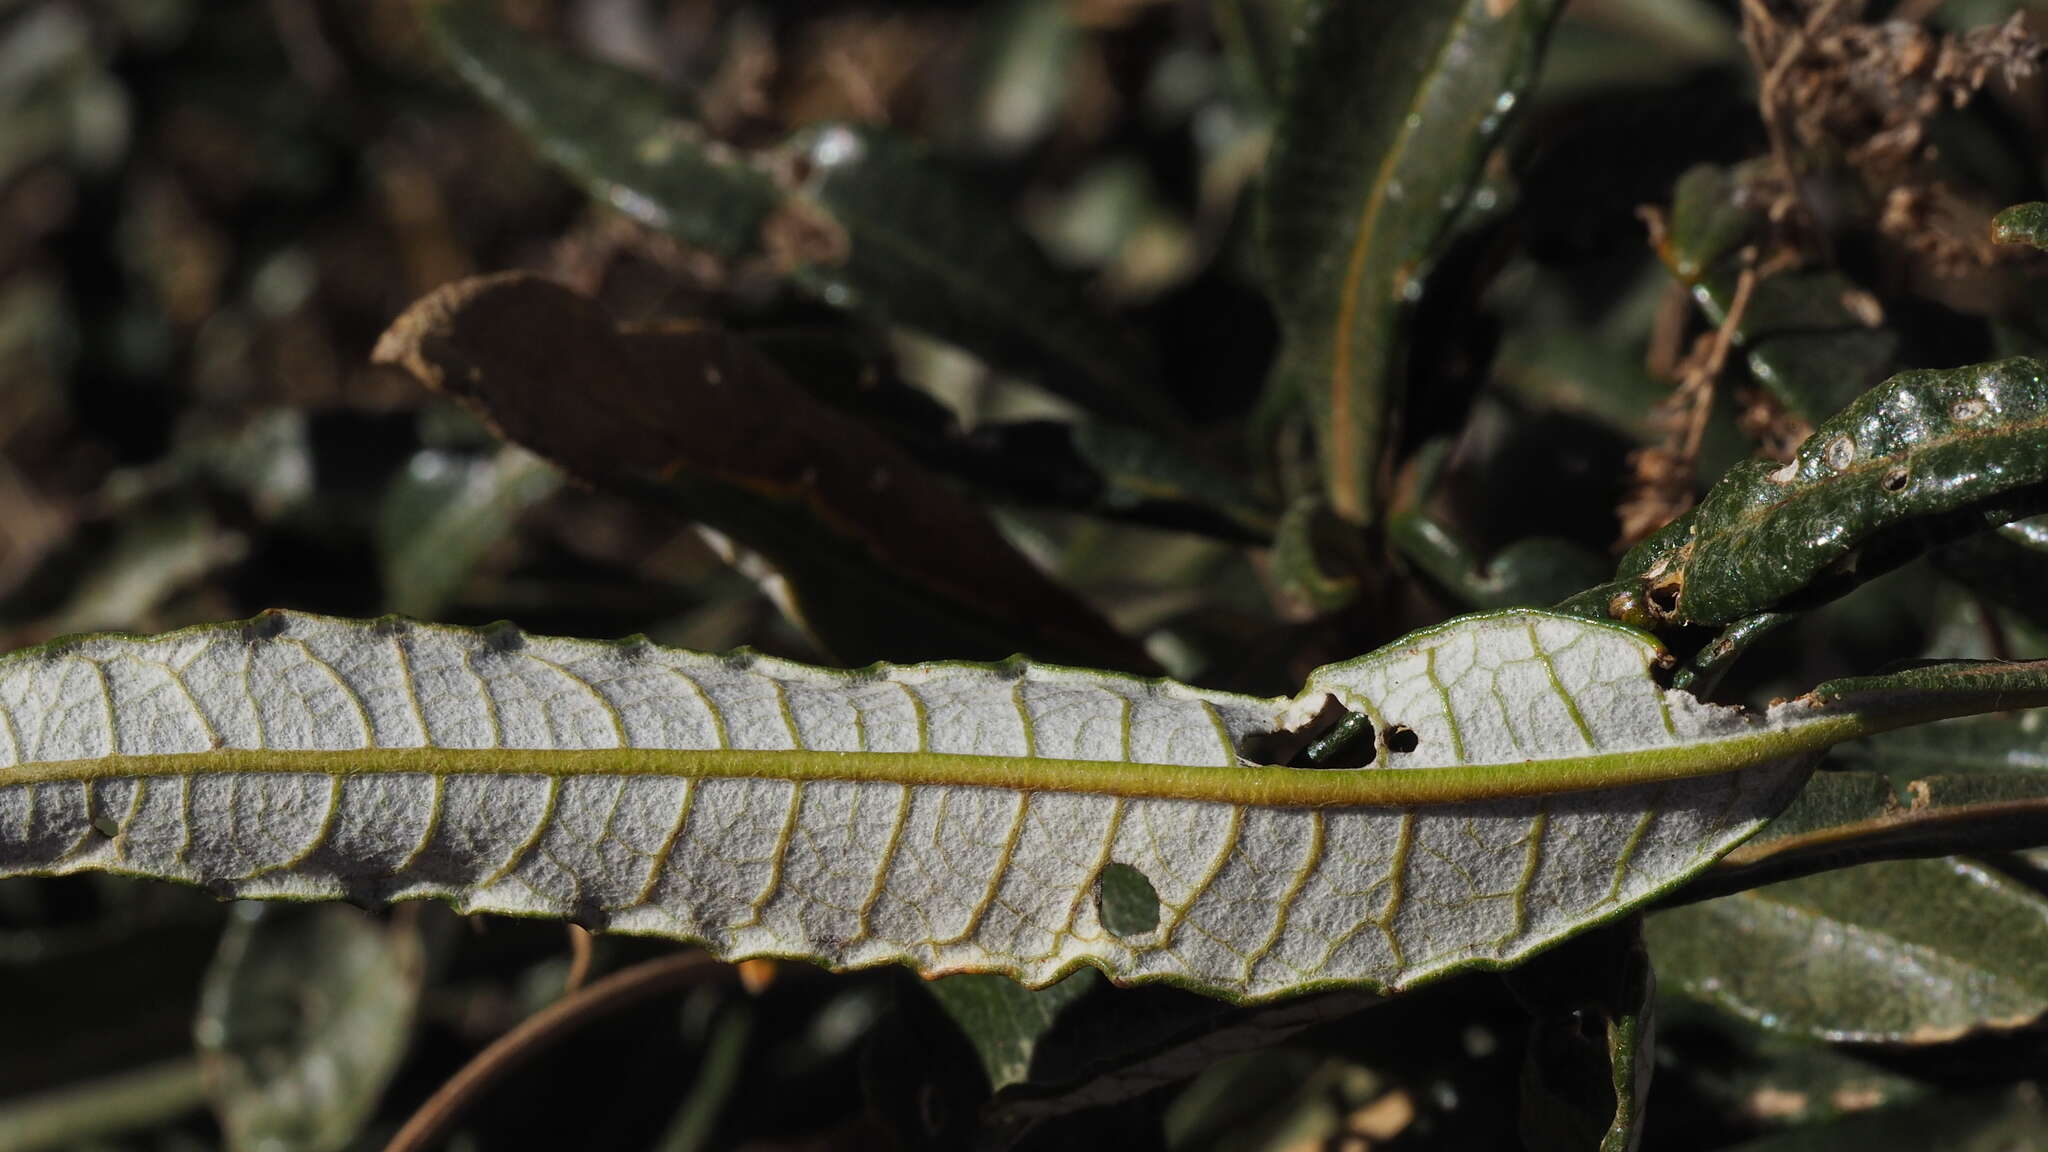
(1527, 573)
(1113, 471)
(1928, 457)
(2008, 565)
(307, 1012)
(1845, 818)
(876, 556)
(84, 1115)
(867, 219)
(1389, 111)
(1317, 556)
(919, 245)
(1906, 951)
(1586, 1071)
(2022, 224)
(1807, 336)
(1005, 1021)
(613, 131)
(1704, 671)
(718, 1072)
(443, 512)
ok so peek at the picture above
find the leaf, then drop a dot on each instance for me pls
(862, 217)
(1806, 335)
(1929, 456)
(926, 249)
(1389, 112)
(1317, 558)
(1081, 1045)
(877, 556)
(444, 512)
(2022, 224)
(1586, 1070)
(1532, 779)
(1950, 948)
(304, 1019)
(1005, 1022)
(1528, 573)
(2008, 565)
(1844, 818)
(612, 130)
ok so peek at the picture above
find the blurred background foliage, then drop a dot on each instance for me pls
(210, 210)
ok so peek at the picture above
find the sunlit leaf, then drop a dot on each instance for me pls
(1530, 778)
(1929, 456)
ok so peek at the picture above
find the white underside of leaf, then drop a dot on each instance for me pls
(1255, 902)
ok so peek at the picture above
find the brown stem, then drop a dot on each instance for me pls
(540, 1031)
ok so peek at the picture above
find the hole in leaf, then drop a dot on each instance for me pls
(1335, 737)
(1127, 901)
(1664, 598)
(1401, 738)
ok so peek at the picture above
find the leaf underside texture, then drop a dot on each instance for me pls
(954, 817)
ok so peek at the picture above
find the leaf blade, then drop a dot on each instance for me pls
(1355, 206)
(955, 817)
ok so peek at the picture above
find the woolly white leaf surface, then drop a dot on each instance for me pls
(1256, 901)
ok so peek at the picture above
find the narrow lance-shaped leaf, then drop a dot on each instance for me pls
(613, 131)
(1532, 778)
(873, 554)
(1926, 457)
(1905, 951)
(1389, 111)
(867, 219)
(1843, 818)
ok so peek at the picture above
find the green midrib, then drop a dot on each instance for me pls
(1255, 786)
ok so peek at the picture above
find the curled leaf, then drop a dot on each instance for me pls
(1389, 112)
(878, 557)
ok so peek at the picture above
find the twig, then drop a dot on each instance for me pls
(579, 959)
(540, 1031)
(1709, 371)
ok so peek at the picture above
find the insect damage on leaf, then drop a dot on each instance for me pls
(1926, 457)
(1528, 776)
